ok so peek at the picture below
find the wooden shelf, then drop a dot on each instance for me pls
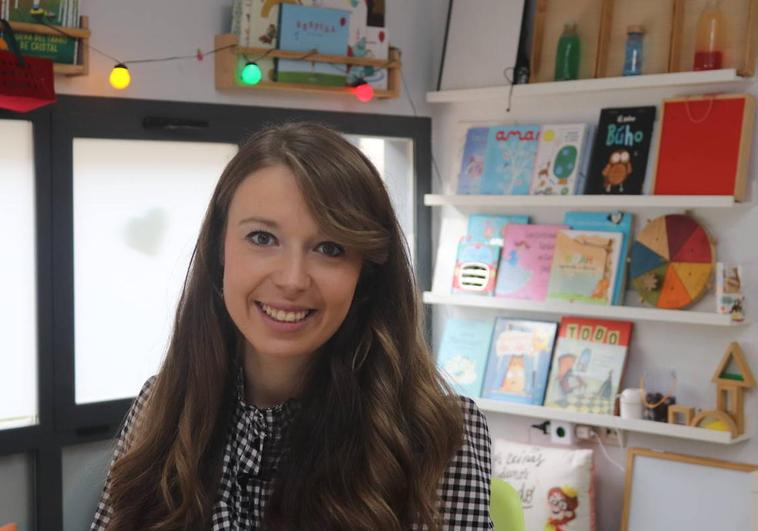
(709, 80)
(494, 203)
(629, 313)
(609, 421)
(82, 33)
(226, 68)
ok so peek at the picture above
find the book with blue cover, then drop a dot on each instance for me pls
(509, 161)
(462, 356)
(305, 28)
(491, 228)
(607, 222)
(519, 361)
(472, 162)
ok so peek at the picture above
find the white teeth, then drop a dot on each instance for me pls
(281, 315)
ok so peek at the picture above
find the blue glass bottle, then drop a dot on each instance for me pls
(633, 51)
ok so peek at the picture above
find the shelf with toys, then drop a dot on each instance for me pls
(629, 313)
(227, 67)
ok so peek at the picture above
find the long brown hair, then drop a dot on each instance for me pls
(377, 425)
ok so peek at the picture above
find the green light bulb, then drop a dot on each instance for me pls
(251, 74)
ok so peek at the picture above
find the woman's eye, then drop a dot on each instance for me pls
(330, 249)
(261, 238)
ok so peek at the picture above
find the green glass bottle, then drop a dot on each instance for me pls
(567, 55)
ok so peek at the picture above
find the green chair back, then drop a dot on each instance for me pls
(506, 511)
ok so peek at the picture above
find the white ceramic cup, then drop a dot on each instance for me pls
(630, 404)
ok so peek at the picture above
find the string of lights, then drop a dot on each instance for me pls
(250, 74)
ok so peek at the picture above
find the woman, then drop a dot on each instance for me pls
(298, 391)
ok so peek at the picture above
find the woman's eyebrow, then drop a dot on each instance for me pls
(262, 221)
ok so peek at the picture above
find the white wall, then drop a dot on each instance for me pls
(142, 29)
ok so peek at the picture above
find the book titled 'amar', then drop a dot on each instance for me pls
(620, 151)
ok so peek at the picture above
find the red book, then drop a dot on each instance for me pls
(705, 145)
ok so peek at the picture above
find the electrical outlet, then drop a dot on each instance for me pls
(610, 437)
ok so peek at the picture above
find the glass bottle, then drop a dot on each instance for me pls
(567, 55)
(633, 51)
(708, 40)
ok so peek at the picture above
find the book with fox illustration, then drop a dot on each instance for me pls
(585, 265)
(519, 361)
(588, 364)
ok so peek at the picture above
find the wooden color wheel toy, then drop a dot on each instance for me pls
(673, 259)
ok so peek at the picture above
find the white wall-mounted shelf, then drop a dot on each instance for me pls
(582, 202)
(689, 80)
(629, 313)
(610, 421)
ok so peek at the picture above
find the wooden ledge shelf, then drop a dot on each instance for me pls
(82, 33)
(582, 202)
(226, 66)
(630, 313)
(610, 421)
(710, 80)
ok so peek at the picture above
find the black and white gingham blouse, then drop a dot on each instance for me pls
(254, 447)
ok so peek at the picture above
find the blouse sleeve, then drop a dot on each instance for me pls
(103, 513)
(465, 489)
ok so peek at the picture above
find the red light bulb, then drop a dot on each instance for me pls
(364, 92)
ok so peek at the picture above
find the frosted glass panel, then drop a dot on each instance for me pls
(393, 158)
(18, 271)
(16, 491)
(138, 206)
(84, 470)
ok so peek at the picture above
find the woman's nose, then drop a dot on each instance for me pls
(292, 272)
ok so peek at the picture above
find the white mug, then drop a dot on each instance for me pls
(630, 404)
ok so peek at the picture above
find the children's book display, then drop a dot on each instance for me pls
(673, 259)
(519, 361)
(559, 168)
(705, 145)
(585, 266)
(620, 151)
(620, 222)
(305, 28)
(525, 262)
(56, 47)
(463, 351)
(588, 363)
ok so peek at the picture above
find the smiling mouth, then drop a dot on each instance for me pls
(282, 315)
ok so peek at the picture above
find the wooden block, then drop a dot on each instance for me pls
(719, 416)
(687, 412)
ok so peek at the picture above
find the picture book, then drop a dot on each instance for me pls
(509, 161)
(562, 153)
(491, 228)
(306, 28)
(475, 267)
(375, 45)
(472, 161)
(620, 222)
(462, 356)
(585, 266)
(256, 24)
(620, 151)
(525, 261)
(57, 48)
(356, 33)
(588, 364)
(51, 12)
(519, 361)
(705, 145)
(730, 294)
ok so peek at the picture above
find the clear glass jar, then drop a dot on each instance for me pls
(633, 51)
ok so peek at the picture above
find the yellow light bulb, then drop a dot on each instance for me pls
(120, 77)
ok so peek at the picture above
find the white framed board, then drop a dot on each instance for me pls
(665, 491)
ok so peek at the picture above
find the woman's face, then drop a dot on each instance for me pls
(287, 287)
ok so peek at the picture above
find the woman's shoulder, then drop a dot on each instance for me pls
(475, 422)
(133, 415)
